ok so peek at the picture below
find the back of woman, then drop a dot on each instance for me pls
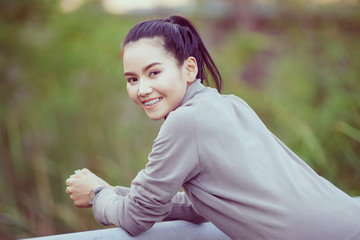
(261, 190)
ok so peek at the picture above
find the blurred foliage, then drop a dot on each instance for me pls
(64, 104)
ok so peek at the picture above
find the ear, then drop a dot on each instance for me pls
(191, 69)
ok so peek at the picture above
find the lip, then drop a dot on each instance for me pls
(151, 99)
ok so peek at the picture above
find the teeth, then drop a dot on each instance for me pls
(152, 102)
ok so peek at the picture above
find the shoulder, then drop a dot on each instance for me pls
(179, 121)
(193, 117)
(202, 105)
(207, 111)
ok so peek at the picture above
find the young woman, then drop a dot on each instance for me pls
(235, 173)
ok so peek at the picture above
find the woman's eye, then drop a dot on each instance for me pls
(154, 73)
(131, 80)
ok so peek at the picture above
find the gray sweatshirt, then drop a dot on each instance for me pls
(235, 173)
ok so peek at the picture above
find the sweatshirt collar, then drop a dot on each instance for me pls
(192, 90)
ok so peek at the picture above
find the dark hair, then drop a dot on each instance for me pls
(180, 39)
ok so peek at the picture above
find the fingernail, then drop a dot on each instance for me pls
(77, 171)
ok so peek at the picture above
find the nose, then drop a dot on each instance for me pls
(144, 88)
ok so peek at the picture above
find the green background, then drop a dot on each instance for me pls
(64, 104)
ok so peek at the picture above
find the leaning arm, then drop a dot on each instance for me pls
(182, 208)
(153, 195)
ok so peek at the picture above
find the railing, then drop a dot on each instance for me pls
(174, 230)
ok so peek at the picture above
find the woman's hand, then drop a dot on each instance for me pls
(81, 184)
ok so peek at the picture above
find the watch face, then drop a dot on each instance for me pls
(93, 193)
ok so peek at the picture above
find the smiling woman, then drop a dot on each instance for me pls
(155, 82)
(235, 173)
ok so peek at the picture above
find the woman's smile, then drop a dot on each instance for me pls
(152, 103)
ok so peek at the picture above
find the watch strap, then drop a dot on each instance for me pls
(93, 193)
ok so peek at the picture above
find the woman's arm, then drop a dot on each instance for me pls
(181, 207)
(172, 162)
(82, 183)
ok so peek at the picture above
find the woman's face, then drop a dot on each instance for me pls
(155, 81)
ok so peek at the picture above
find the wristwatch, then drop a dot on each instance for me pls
(93, 193)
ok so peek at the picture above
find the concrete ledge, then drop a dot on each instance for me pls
(175, 230)
(357, 198)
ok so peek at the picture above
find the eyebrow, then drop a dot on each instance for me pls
(144, 69)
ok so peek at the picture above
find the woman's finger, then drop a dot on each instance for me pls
(72, 197)
(85, 171)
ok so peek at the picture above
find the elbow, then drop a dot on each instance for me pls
(134, 229)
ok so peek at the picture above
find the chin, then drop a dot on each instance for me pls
(155, 117)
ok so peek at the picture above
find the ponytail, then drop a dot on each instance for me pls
(182, 40)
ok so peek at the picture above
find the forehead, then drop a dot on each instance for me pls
(144, 48)
(155, 42)
(142, 53)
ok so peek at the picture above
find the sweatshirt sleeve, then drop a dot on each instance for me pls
(172, 162)
(182, 208)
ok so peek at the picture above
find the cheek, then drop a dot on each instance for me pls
(132, 92)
